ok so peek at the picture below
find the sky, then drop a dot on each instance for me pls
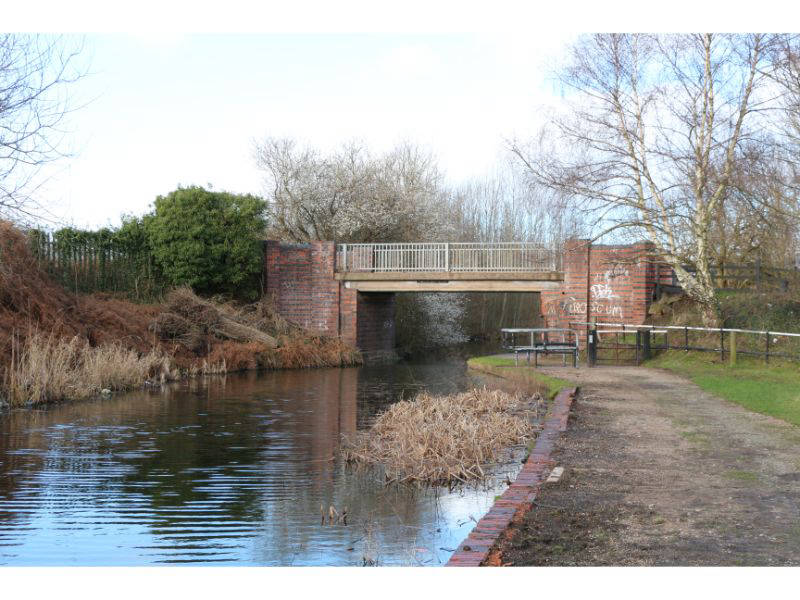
(159, 110)
(179, 91)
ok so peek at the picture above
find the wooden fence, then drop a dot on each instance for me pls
(85, 268)
(743, 276)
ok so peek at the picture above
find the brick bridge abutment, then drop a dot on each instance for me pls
(301, 280)
(622, 281)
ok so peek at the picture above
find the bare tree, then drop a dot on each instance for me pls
(35, 74)
(353, 195)
(657, 126)
(788, 77)
(757, 220)
(350, 195)
(787, 74)
(505, 207)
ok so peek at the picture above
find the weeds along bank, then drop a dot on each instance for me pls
(529, 377)
(56, 345)
(458, 438)
(446, 440)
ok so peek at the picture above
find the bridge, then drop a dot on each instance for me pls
(348, 290)
(448, 267)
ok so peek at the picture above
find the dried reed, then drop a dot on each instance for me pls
(443, 439)
(46, 368)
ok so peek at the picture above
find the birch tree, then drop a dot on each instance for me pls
(787, 75)
(655, 128)
(758, 218)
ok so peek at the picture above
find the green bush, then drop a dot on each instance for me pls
(211, 241)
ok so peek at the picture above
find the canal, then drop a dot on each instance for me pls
(229, 470)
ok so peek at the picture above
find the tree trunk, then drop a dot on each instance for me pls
(700, 288)
(503, 310)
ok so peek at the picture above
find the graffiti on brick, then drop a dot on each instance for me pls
(605, 301)
(603, 291)
(575, 308)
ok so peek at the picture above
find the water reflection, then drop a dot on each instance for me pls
(229, 470)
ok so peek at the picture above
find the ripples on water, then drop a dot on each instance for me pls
(224, 471)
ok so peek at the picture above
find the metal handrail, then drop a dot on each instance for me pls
(544, 333)
(542, 345)
(447, 257)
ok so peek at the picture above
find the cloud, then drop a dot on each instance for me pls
(159, 39)
(410, 61)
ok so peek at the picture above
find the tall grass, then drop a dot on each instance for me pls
(46, 368)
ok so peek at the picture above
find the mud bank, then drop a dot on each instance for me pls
(189, 335)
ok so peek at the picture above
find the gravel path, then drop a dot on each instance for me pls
(659, 472)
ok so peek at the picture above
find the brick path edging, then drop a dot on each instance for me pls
(518, 498)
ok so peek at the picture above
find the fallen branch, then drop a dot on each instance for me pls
(230, 329)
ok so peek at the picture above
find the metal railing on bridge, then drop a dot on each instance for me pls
(446, 257)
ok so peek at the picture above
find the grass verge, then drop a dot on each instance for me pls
(770, 389)
(501, 366)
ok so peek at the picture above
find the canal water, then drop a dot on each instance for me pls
(227, 470)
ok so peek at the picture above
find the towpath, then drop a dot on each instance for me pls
(659, 472)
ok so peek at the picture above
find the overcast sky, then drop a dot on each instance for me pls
(168, 109)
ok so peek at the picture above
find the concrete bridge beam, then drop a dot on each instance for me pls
(459, 281)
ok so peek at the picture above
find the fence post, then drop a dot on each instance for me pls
(758, 274)
(591, 348)
(721, 345)
(447, 256)
(638, 345)
(646, 344)
(686, 337)
(344, 258)
(575, 353)
(733, 347)
(766, 354)
(74, 264)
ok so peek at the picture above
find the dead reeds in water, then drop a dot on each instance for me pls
(443, 439)
(45, 368)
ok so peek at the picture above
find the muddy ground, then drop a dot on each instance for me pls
(659, 472)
